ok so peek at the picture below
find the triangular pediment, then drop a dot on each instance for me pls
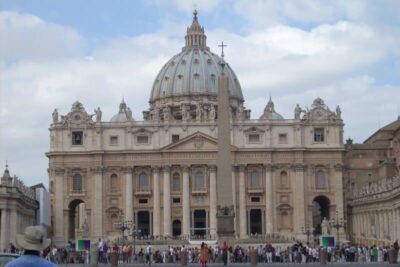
(195, 142)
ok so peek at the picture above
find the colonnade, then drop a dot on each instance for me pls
(376, 225)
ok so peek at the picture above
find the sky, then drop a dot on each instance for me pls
(53, 53)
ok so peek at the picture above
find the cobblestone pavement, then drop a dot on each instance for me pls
(353, 264)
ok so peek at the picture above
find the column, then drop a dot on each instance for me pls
(5, 221)
(59, 236)
(97, 222)
(234, 197)
(185, 202)
(156, 201)
(338, 190)
(167, 201)
(381, 224)
(213, 201)
(129, 194)
(268, 200)
(242, 203)
(299, 205)
(13, 225)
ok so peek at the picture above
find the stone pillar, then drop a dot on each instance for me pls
(299, 203)
(381, 223)
(213, 201)
(13, 225)
(156, 202)
(269, 219)
(338, 189)
(185, 202)
(97, 218)
(59, 236)
(234, 197)
(167, 201)
(5, 226)
(242, 203)
(129, 194)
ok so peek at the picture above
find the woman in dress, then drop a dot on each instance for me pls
(203, 254)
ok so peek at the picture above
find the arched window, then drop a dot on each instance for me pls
(199, 180)
(114, 182)
(284, 180)
(176, 182)
(254, 179)
(143, 182)
(77, 183)
(320, 179)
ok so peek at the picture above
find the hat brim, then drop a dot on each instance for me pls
(22, 243)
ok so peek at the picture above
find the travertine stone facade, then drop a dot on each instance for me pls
(373, 181)
(161, 171)
(18, 208)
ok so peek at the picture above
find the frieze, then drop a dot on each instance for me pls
(127, 169)
(299, 167)
(338, 167)
(59, 170)
(98, 169)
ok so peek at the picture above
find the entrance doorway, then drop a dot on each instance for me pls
(255, 221)
(75, 218)
(319, 212)
(176, 228)
(143, 223)
(199, 223)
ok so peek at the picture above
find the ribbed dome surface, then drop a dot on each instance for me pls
(194, 71)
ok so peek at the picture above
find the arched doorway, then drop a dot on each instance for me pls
(144, 223)
(75, 218)
(199, 222)
(255, 221)
(319, 212)
(176, 228)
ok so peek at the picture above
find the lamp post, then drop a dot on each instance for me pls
(337, 223)
(134, 233)
(123, 225)
(307, 230)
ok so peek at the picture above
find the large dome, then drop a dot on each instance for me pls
(194, 71)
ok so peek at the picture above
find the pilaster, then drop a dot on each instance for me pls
(167, 201)
(156, 201)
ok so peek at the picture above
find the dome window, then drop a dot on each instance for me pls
(212, 78)
(183, 62)
(196, 75)
(172, 63)
(180, 76)
(209, 61)
(166, 78)
(196, 61)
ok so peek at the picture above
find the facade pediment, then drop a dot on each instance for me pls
(197, 141)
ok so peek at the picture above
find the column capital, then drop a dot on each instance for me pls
(59, 170)
(185, 168)
(241, 167)
(338, 167)
(269, 167)
(299, 167)
(212, 168)
(127, 170)
(166, 168)
(155, 168)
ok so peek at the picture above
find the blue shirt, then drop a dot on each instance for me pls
(30, 261)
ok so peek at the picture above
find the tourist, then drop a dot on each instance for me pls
(33, 242)
(203, 254)
(224, 249)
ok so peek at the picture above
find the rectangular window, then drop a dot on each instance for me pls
(319, 135)
(255, 199)
(113, 140)
(77, 138)
(143, 200)
(176, 200)
(282, 138)
(175, 138)
(254, 138)
(142, 139)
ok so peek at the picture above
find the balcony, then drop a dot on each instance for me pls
(143, 192)
(255, 190)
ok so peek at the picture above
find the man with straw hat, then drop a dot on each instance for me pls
(33, 241)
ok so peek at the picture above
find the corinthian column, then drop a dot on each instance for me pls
(186, 202)
(299, 204)
(156, 202)
(213, 201)
(269, 218)
(242, 203)
(5, 225)
(59, 236)
(167, 201)
(97, 224)
(129, 194)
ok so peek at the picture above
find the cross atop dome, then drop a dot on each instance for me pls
(195, 36)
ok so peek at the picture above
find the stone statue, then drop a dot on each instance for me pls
(212, 113)
(198, 112)
(325, 226)
(55, 116)
(99, 113)
(338, 112)
(85, 229)
(129, 114)
(166, 112)
(240, 113)
(297, 112)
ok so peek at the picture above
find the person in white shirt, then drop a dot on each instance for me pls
(149, 251)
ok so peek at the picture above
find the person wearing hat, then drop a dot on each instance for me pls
(33, 241)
